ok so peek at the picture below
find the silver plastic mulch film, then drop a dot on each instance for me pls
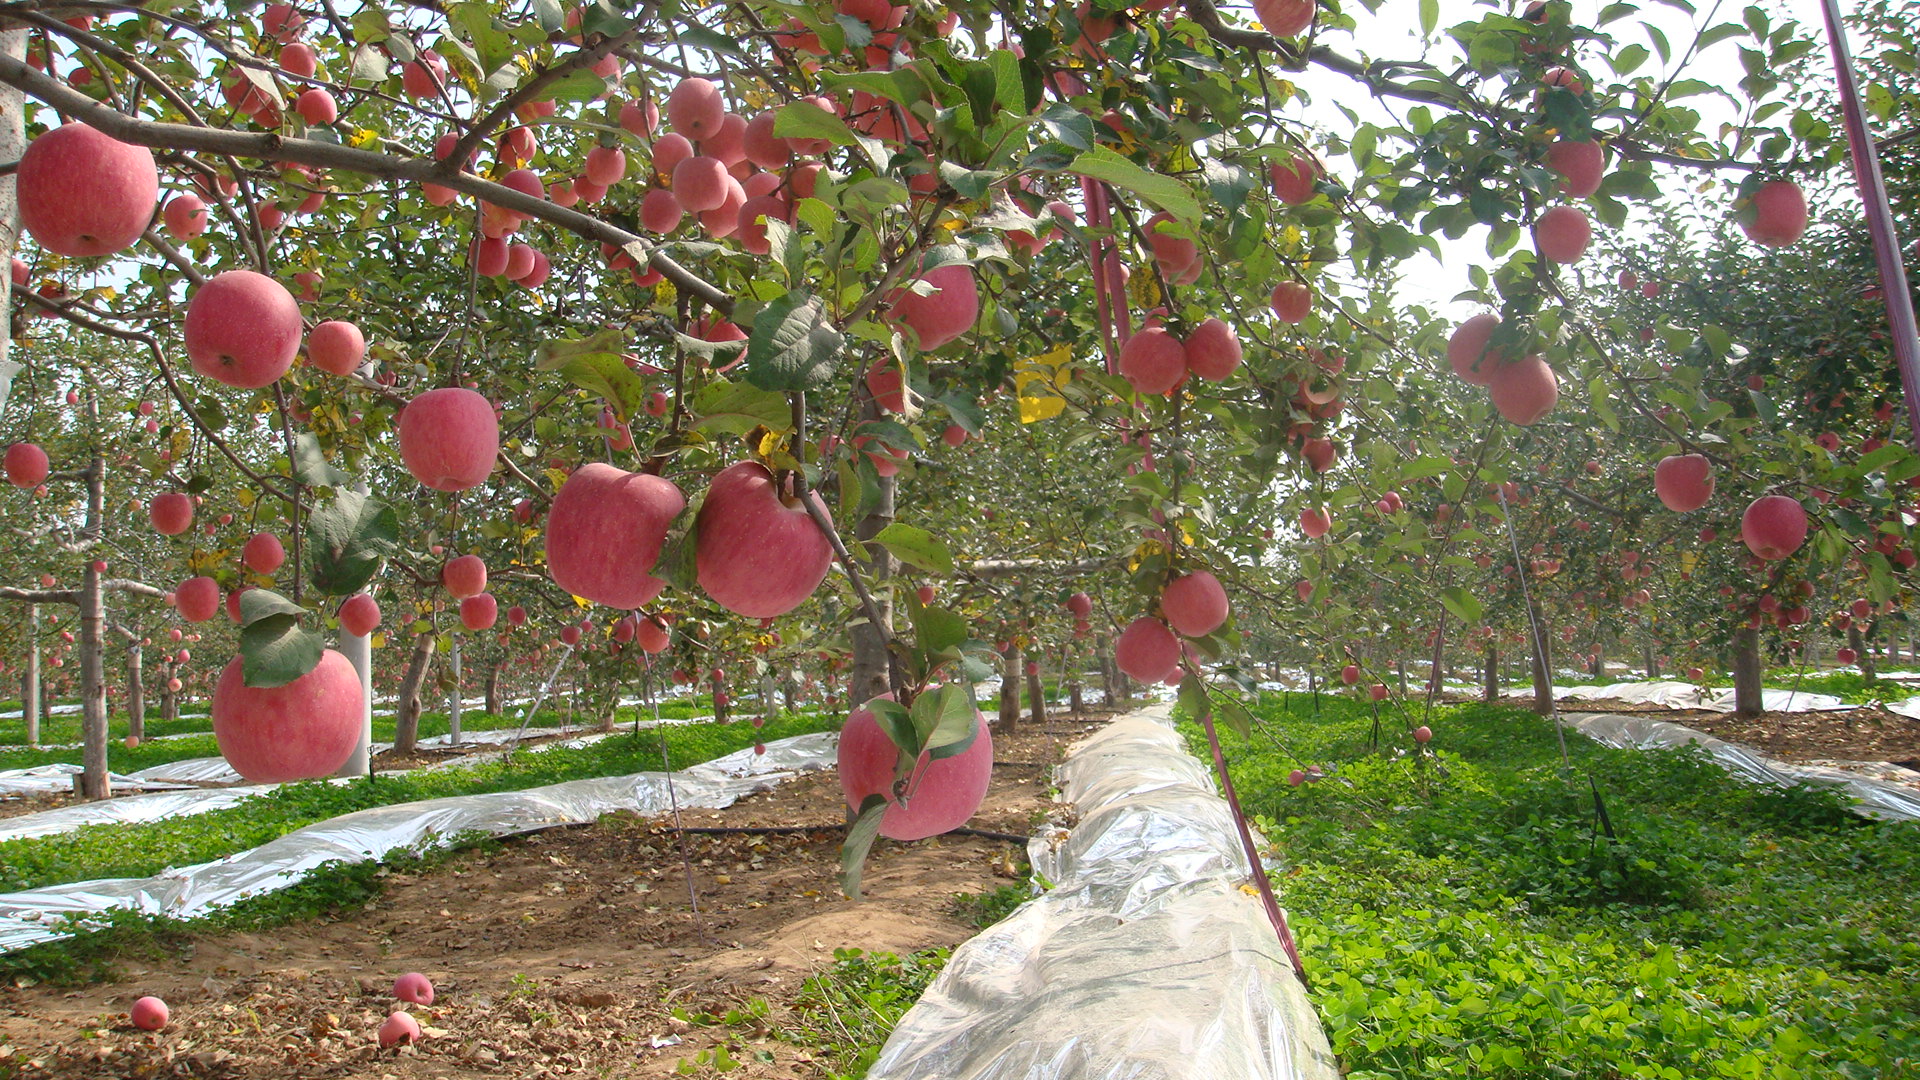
(1146, 960)
(33, 916)
(1878, 798)
(1683, 695)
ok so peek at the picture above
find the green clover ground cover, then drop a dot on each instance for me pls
(1475, 919)
(101, 851)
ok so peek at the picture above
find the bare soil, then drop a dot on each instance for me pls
(563, 953)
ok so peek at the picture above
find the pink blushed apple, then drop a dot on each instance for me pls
(758, 552)
(304, 729)
(449, 438)
(242, 329)
(941, 795)
(604, 533)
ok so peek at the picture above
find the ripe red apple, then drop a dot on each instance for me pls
(1284, 18)
(359, 615)
(1315, 522)
(1293, 180)
(1350, 674)
(1776, 215)
(26, 464)
(263, 554)
(1580, 165)
(1296, 778)
(317, 107)
(82, 192)
(885, 383)
(413, 987)
(1467, 349)
(1147, 651)
(696, 108)
(954, 435)
(1774, 526)
(1080, 605)
(1212, 350)
(1561, 234)
(479, 612)
(1291, 301)
(1378, 692)
(465, 576)
(1153, 361)
(399, 1028)
(149, 1013)
(604, 533)
(1525, 391)
(757, 553)
(1423, 734)
(305, 729)
(449, 438)
(242, 329)
(940, 317)
(197, 599)
(941, 795)
(1683, 481)
(336, 347)
(185, 216)
(1845, 656)
(1320, 453)
(1195, 604)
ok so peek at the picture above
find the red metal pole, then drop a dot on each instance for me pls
(1886, 243)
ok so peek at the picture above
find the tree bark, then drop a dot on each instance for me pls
(1009, 692)
(1653, 663)
(1747, 700)
(406, 710)
(453, 693)
(169, 700)
(493, 690)
(1597, 666)
(1036, 690)
(93, 686)
(1857, 641)
(1542, 671)
(136, 693)
(30, 700)
(1490, 675)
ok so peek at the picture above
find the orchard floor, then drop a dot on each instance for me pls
(1858, 734)
(562, 953)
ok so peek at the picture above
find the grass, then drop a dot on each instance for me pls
(121, 759)
(847, 1011)
(1476, 915)
(141, 850)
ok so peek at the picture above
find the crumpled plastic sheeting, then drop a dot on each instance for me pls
(1146, 961)
(1878, 798)
(1909, 708)
(1681, 695)
(28, 918)
(48, 779)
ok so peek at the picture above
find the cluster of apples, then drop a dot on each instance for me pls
(1523, 391)
(1194, 605)
(1154, 361)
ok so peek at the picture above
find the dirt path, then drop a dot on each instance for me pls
(559, 954)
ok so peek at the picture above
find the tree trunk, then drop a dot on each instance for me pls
(493, 690)
(1653, 663)
(453, 693)
(1400, 674)
(1036, 690)
(1490, 675)
(872, 663)
(1542, 672)
(1009, 692)
(30, 701)
(406, 709)
(169, 700)
(136, 694)
(1597, 665)
(1857, 641)
(789, 687)
(1747, 700)
(1070, 666)
(93, 686)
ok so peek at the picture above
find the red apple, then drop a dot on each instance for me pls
(1080, 604)
(1315, 522)
(651, 636)
(1195, 604)
(317, 107)
(1284, 18)
(1776, 215)
(1773, 526)
(696, 108)
(886, 385)
(479, 612)
(242, 329)
(1846, 656)
(399, 1028)
(263, 554)
(604, 533)
(149, 1013)
(1212, 350)
(1350, 674)
(413, 987)
(1561, 234)
(359, 615)
(449, 438)
(1423, 734)
(941, 795)
(941, 316)
(1580, 165)
(303, 730)
(1291, 301)
(1153, 361)
(465, 576)
(1683, 481)
(1525, 391)
(1147, 651)
(26, 464)
(197, 599)
(336, 347)
(185, 216)
(1467, 350)
(1293, 180)
(82, 192)
(1378, 692)
(757, 552)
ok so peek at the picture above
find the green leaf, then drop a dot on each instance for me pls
(897, 724)
(595, 364)
(946, 720)
(1229, 709)
(675, 564)
(802, 120)
(793, 346)
(347, 538)
(915, 547)
(730, 408)
(276, 650)
(1165, 192)
(1462, 604)
(860, 837)
(1192, 697)
(1068, 125)
(1429, 16)
(936, 629)
(581, 85)
(310, 465)
(257, 604)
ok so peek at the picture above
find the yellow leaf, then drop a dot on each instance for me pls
(364, 137)
(1689, 560)
(1038, 381)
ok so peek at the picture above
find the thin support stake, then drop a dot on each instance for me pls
(1274, 915)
